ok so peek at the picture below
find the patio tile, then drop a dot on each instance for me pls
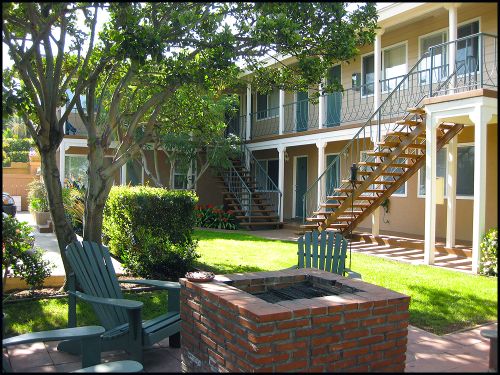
(68, 367)
(29, 355)
(60, 357)
(51, 368)
(160, 361)
(472, 367)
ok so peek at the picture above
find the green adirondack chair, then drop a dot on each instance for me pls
(90, 341)
(93, 269)
(325, 251)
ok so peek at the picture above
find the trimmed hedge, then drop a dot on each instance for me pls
(132, 215)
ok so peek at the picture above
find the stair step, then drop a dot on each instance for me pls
(374, 183)
(403, 134)
(383, 145)
(416, 110)
(245, 223)
(386, 154)
(338, 225)
(395, 174)
(257, 217)
(255, 211)
(336, 205)
(331, 212)
(309, 226)
(361, 197)
(446, 125)
(409, 122)
(315, 219)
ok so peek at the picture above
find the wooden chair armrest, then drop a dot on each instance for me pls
(55, 335)
(125, 303)
(490, 333)
(169, 285)
(352, 275)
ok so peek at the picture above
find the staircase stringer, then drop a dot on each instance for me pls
(370, 180)
(448, 136)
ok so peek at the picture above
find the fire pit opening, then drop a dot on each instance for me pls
(311, 287)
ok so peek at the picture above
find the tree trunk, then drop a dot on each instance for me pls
(64, 232)
(98, 188)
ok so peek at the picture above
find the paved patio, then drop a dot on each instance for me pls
(465, 351)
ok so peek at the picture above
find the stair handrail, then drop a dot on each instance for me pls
(246, 151)
(236, 192)
(378, 112)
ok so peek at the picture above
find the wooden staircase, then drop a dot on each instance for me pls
(394, 161)
(257, 212)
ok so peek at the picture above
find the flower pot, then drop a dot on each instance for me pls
(41, 218)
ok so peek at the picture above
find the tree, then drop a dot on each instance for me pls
(145, 56)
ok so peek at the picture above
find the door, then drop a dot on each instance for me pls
(332, 177)
(302, 110)
(300, 184)
(334, 99)
(273, 172)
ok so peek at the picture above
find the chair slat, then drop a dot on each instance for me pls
(336, 251)
(343, 252)
(314, 236)
(301, 252)
(322, 248)
(308, 249)
(329, 253)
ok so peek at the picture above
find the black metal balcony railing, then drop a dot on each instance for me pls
(425, 79)
(265, 123)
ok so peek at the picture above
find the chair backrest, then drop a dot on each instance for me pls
(325, 251)
(96, 275)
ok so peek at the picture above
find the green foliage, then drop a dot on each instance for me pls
(20, 256)
(214, 217)
(74, 203)
(489, 253)
(5, 159)
(19, 156)
(37, 196)
(155, 257)
(16, 149)
(140, 217)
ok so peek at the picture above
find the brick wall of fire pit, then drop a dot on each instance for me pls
(226, 326)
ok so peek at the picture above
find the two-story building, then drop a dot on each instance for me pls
(417, 117)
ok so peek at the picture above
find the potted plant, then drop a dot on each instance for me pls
(38, 202)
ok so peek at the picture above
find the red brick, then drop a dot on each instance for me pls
(218, 358)
(339, 365)
(402, 341)
(310, 331)
(268, 327)
(244, 365)
(381, 364)
(335, 308)
(344, 345)
(268, 338)
(320, 310)
(348, 325)
(303, 353)
(395, 301)
(201, 327)
(380, 303)
(326, 359)
(208, 341)
(370, 340)
(325, 340)
(362, 368)
(398, 316)
(268, 359)
(395, 368)
(317, 369)
(326, 319)
(237, 350)
(320, 350)
(369, 357)
(196, 316)
(293, 324)
(297, 365)
(214, 336)
(382, 329)
(355, 333)
(383, 310)
(384, 345)
(195, 306)
(398, 351)
(290, 346)
(403, 306)
(354, 352)
(373, 321)
(395, 335)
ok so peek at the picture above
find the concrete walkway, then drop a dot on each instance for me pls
(465, 351)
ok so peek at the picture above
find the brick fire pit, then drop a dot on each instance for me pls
(262, 322)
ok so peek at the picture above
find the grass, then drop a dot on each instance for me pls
(442, 301)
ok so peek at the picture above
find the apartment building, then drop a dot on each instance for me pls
(417, 117)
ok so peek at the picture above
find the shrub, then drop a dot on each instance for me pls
(20, 256)
(155, 257)
(17, 149)
(214, 217)
(489, 253)
(37, 196)
(5, 159)
(140, 220)
(19, 156)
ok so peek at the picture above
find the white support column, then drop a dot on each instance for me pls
(451, 188)
(248, 129)
(480, 119)
(282, 112)
(430, 189)
(321, 168)
(377, 57)
(452, 27)
(321, 105)
(123, 174)
(62, 164)
(281, 176)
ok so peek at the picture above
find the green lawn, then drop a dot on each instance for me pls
(442, 301)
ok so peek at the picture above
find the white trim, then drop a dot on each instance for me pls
(294, 186)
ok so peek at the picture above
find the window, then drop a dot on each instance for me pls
(439, 57)
(467, 60)
(394, 66)
(76, 167)
(133, 173)
(465, 170)
(184, 179)
(440, 172)
(267, 105)
(367, 75)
